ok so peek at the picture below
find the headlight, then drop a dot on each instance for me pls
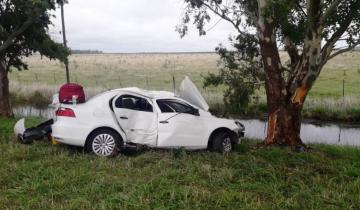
(240, 125)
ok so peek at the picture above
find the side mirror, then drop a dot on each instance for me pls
(196, 112)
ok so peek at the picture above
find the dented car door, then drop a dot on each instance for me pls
(137, 118)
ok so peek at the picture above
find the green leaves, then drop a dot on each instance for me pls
(240, 72)
(35, 37)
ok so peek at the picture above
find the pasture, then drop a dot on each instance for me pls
(99, 72)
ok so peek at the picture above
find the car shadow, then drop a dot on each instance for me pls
(133, 152)
(74, 150)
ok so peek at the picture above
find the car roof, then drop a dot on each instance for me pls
(153, 94)
(140, 92)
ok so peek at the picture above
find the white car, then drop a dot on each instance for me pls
(158, 119)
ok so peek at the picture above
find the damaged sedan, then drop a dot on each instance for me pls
(131, 117)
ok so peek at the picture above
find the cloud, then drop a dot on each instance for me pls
(133, 26)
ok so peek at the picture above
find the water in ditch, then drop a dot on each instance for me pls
(318, 132)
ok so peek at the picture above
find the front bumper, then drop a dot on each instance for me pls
(241, 134)
(241, 129)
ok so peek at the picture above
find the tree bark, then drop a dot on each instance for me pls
(284, 127)
(5, 107)
(284, 121)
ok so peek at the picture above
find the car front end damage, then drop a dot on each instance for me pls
(240, 130)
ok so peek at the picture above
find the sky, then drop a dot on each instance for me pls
(129, 26)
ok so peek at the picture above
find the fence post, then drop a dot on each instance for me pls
(343, 88)
(174, 85)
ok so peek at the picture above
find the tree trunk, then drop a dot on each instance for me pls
(284, 110)
(284, 126)
(284, 121)
(5, 107)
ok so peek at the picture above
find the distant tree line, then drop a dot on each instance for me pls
(86, 52)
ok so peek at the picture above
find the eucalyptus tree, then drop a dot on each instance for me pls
(311, 32)
(24, 26)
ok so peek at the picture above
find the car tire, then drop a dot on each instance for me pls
(222, 143)
(104, 142)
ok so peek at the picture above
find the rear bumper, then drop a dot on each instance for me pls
(69, 133)
(27, 136)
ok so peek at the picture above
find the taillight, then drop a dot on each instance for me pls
(65, 112)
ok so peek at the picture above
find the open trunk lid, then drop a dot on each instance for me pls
(190, 93)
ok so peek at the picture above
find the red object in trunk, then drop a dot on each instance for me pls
(71, 91)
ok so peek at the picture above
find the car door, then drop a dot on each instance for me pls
(180, 125)
(137, 118)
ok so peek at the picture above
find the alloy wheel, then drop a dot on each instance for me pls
(227, 144)
(104, 145)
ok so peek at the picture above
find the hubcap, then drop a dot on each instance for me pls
(103, 145)
(226, 144)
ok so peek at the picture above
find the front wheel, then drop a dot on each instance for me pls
(104, 143)
(222, 143)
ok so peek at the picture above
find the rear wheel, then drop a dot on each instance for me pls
(104, 143)
(222, 143)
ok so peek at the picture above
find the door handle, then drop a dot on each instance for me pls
(164, 121)
(124, 118)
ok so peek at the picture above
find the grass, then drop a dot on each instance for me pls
(42, 176)
(99, 72)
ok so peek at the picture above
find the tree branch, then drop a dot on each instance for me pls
(2, 29)
(301, 9)
(330, 9)
(292, 51)
(328, 47)
(350, 48)
(16, 33)
(222, 15)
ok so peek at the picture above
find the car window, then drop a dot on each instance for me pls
(133, 103)
(167, 106)
(164, 107)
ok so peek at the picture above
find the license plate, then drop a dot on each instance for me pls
(53, 141)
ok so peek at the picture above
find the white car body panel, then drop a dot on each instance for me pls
(89, 116)
(181, 130)
(140, 127)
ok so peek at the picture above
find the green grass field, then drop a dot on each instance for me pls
(155, 71)
(43, 176)
(99, 72)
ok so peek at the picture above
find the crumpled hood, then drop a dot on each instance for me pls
(190, 93)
